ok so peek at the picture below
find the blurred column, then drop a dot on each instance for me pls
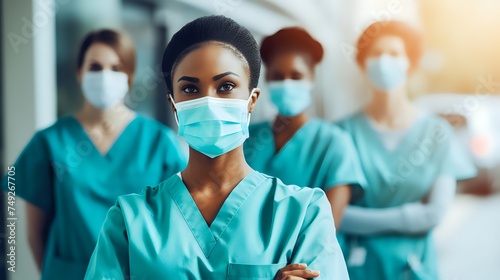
(29, 93)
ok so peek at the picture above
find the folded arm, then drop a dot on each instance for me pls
(410, 218)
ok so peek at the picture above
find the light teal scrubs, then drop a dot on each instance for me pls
(319, 155)
(63, 173)
(397, 177)
(262, 226)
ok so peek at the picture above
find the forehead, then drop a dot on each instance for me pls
(290, 58)
(211, 58)
(101, 52)
(390, 42)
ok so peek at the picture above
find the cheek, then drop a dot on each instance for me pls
(178, 96)
(371, 56)
(241, 92)
(80, 74)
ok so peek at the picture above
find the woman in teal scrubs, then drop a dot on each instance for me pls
(73, 171)
(295, 147)
(218, 218)
(411, 161)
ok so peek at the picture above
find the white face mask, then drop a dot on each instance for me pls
(104, 89)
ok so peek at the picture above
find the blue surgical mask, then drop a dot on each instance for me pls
(387, 72)
(291, 97)
(213, 126)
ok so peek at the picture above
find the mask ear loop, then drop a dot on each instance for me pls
(248, 101)
(176, 117)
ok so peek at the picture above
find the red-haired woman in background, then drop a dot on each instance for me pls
(411, 161)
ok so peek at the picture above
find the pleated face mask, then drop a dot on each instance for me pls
(291, 97)
(213, 126)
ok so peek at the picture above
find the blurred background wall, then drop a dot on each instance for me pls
(40, 40)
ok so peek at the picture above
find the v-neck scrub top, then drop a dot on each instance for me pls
(319, 155)
(262, 226)
(395, 177)
(61, 172)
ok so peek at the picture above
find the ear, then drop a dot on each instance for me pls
(131, 81)
(79, 74)
(313, 73)
(172, 107)
(267, 76)
(253, 100)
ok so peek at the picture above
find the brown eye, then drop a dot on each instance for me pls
(297, 76)
(116, 68)
(95, 67)
(277, 77)
(190, 89)
(226, 87)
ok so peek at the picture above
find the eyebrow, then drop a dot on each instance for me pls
(220, 76)
(95, 61)
(189, 79)
(215, 78)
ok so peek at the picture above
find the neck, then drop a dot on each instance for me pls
(222, 173)
(391, 109)
(282, 123)
(93, 116)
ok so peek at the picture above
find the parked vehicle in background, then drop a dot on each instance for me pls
(476, 120)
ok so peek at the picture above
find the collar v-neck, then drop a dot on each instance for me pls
(295, 138)
(405, 142)
(208, 236)
(117, 141)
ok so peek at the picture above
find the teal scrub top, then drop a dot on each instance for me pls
(262, 226)
(319, 155)
(61, 172)
(404, 175)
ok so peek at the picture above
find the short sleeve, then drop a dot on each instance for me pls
(34, 175)
(456, 162)
(110, 259)
(317, 245)
(344, 166)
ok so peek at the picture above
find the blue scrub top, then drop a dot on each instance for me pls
(404, 175)
(319, 155)
(64, 174)
(262, 226)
